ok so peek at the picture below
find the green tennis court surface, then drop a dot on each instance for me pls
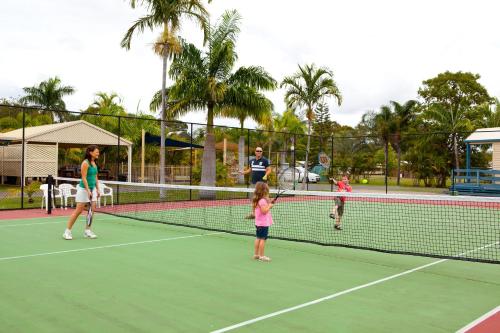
(146, 277)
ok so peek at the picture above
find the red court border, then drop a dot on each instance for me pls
(32, 213)
(487, 323)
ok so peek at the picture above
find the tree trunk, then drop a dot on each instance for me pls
(208, 167)
(306, 173)
(241, 158)
(455, 150)
(162, 125)
(283, 154)
(399, 163)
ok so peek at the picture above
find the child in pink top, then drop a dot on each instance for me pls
(262, 205)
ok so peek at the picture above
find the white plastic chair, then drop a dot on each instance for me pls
(105, 191)
(57, 194)
(68, 191)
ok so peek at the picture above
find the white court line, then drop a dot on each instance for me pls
(106, 246)
(478, 320)
(101, 217)
(26, 224)
(347, 291)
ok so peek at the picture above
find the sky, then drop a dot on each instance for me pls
(378, 50)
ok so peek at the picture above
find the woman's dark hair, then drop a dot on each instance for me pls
(90, 149)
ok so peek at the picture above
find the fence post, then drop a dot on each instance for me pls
(118, 161)
(22, 159)
(386, 148)
(294, 161)
(248, 153)
(452, 181)
(331, 166)
(191, 164)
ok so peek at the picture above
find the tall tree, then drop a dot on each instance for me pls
(205, 80)
(108, 106)
(323, 126)
(450, 101)
(304, 90)
(48, 95)
(167, 14)
(403, 115)
(260, 111)
(385, 124)
(490, 114)
(288, 124)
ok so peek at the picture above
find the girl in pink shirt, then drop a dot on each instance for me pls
(262, 205)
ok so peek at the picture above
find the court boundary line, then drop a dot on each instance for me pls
(478, 320)
(340, 293)
(100, 216)
(46, 217)
(27, 224)
(105, 246)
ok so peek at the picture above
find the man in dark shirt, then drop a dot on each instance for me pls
(259, 167)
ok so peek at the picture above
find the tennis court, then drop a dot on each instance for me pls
(151, 277)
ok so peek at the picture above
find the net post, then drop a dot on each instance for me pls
(50, 191)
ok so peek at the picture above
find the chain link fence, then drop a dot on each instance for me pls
(35, 143)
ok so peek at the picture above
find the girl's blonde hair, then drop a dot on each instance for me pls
(261, 191)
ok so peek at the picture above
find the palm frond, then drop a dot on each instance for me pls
(253, 76)
(139, 26)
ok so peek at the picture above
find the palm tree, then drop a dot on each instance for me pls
(403, 114)
(288, 122)
(490, 114)
(384, 125)
(454, 122)
(305, 89)
(107, 104)
(48, 95)
(168, 15)
(260, 112)
(205, 79)
(109, 107)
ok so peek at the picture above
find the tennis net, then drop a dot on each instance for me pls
(456, 227)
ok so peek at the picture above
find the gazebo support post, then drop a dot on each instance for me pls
(129, 173)
(467, 161)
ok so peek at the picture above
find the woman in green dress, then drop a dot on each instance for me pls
(87, 191)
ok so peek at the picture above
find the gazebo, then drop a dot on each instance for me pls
(41, 144)
(479, 181)
(485, 136)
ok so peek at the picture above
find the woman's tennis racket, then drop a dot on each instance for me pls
(90, 213)
(287, 179)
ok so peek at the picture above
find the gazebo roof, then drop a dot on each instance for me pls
(73, 132)
(484, 136)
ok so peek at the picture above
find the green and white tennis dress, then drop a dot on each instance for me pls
(81, 193)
